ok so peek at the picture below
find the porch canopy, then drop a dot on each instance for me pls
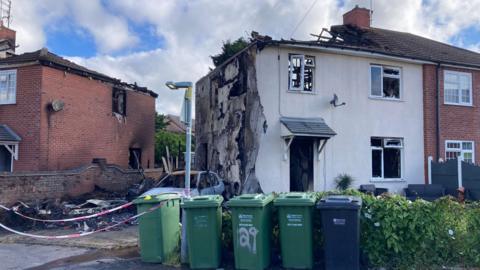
(305, 127)
(10, 140)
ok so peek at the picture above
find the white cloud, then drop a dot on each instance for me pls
(194, 30)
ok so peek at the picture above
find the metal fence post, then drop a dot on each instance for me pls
(459, 168)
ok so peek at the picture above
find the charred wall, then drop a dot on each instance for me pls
(229, 122)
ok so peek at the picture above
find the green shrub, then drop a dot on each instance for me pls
(343, 181)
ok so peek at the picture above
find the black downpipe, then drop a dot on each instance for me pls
(437, 112)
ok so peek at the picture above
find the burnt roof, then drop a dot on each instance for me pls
(47, 58)
(394, 43)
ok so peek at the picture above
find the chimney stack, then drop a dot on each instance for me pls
(359, 17)
(7, 41)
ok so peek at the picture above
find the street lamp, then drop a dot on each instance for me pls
(187, 119)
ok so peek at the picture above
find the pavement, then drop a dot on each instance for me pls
(23, 256)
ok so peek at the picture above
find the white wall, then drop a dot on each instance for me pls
(363, 117)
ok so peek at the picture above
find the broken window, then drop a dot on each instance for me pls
(463, 149)
(386, 158)
(385, 82)
(301, 72)
(458, 88)
(8, 86)
(119, 101)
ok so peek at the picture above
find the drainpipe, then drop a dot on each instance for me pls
(437, 112)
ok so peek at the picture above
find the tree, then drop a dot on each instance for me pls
(175, 143)
(160, 122)
(229, 49)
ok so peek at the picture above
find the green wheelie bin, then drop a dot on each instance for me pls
(204, 230)
(251, 230)
(159, 230)
(295, 218)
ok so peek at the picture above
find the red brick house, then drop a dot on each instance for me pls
(57, 115)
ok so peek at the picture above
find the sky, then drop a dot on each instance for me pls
(153, 41)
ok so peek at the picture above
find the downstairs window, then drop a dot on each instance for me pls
(463, 149)
(386, 158)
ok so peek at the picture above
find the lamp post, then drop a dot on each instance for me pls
(188, 121)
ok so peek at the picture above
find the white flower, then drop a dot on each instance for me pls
(409, 202)
(367, 215)
(376, 224)
(369, 210)
(450, 231)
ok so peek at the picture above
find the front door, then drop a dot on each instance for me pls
(5, 159)
(301, 164)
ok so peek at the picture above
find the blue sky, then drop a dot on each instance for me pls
(152, 41)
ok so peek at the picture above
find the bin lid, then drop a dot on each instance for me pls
(340, 202)
(295, 199)
(202, 201)
(251, 200)
(156, 198)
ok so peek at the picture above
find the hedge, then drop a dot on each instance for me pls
(400, 234)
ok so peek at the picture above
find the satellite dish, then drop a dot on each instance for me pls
(57, 105)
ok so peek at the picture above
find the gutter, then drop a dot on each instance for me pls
(354, 52)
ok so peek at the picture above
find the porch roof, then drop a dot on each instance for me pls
(309, 127)
(8, 135)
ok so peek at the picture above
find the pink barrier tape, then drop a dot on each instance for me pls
(76, 235)
(75, 218)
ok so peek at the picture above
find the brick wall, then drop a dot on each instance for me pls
(86, 128)
(456, 122)
(24, 117)
(57, 184)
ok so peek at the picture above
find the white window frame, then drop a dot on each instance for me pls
(460, 102)
(8, 73)
(300, 89)
(13, 149)
(402, 160)
(400, 76)
(461, 150)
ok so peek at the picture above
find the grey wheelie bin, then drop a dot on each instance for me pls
(341, 231)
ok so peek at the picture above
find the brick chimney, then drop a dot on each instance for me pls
(359, 17)
(7, 41)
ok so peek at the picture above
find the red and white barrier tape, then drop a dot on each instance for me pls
(70, 219)
(76, 235)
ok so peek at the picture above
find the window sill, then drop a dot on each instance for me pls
(14, 103)
(458, 104)
(302, 92)
(386, 99)
(387, 180)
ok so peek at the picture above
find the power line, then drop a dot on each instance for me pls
(303, 18)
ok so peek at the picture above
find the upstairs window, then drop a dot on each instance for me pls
(386, 158)
(301, 72)
(119, 101)
(463, 149)
(457, 88)
(8, 86)
(385, 82)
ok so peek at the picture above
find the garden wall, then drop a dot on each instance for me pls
(57, 184)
